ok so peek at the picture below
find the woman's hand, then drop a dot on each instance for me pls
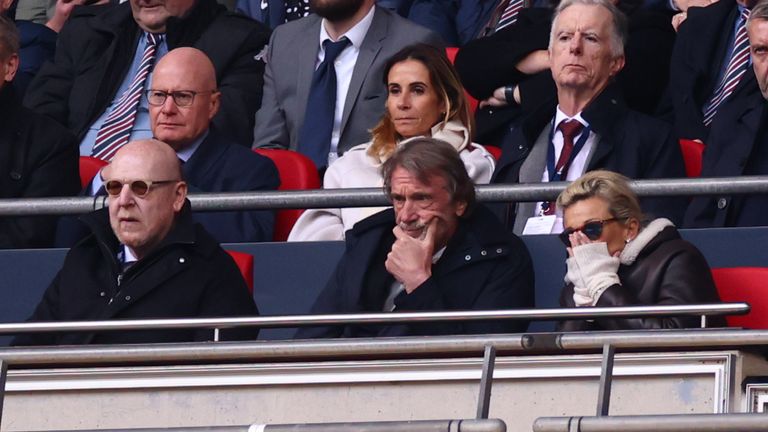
(578, 238)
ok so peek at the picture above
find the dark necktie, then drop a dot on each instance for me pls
(116, 129)
(737, 67)
(570, 129)
(315, 135)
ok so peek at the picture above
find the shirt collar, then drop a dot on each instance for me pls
(127, 256)
(560, 116)
(356, 34)
(187, 152)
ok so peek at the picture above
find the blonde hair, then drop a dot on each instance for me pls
(445, 81)
(609, 186)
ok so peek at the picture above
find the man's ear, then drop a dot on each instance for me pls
(180, 195)
(11, 66)
(461, 208)
(215, 104)
(617, 64)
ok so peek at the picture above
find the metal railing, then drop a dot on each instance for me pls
(375, 197)
(380, 318)
(463, 425)
(655, 423)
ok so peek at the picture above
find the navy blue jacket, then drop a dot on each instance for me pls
(629, 143)
(483, 267)
(218, 165)
(221, 165)
(737, 145)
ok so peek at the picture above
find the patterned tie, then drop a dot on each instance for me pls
(570, 129)
(509, 15)
(116, 129)
(315, 135)
(737, 67)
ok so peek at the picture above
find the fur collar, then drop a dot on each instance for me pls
(636, 245)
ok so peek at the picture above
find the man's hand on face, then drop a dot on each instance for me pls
(410, 260)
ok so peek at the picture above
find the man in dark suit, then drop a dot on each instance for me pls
(705, 41)
(182, 101)
(101, 51)
(436, 250)
(738, 141)
(144, 258)
(590, 127)
(296, 49)
(509, 73)
(38, 157)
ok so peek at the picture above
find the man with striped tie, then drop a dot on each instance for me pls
(104, 60)
(738, 140)
(709, 61)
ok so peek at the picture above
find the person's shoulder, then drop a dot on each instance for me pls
(239, 23)
(397, 26)
(384, 219)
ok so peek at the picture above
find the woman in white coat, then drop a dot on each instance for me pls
(424, 98)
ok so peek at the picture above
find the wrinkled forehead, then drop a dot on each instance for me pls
(408, 181)
(584, 19)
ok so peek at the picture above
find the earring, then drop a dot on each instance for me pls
(626, 241)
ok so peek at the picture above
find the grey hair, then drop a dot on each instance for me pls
(758, 12)
(620, 30)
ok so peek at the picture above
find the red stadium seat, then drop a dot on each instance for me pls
(451, 53)
(297, 172)
(494, 151)
(244, 262)
(89, 167)
(693, 152)
(745, 284)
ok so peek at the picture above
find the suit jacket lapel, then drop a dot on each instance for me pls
(204, 158)
(305, 62)
(368, 53)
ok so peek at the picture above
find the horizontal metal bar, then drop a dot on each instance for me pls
(375, 197)
(377, 318)
(401, 347)
(656, 423)
(469, 425)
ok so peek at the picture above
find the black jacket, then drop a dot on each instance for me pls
(483, 267)
(188, 275)
(699, 52)
(488, 63)
(97, 45)
(737, 145)
(38, 158)
(668, 271)
(630, 143)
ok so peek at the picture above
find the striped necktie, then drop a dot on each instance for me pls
(737, 67)
(116, 129)
(509, 16)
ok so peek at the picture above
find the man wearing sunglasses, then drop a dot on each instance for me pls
(436, 249)
(183, 100)
(145, 258)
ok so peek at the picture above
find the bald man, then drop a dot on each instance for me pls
(144, 258)
(182, 102)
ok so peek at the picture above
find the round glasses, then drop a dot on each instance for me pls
(140, 188)
(182, 98)
(592, 229)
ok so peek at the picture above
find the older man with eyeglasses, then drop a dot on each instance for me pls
(144, 258)
(183, 100)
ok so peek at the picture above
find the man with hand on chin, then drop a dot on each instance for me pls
(436, 249)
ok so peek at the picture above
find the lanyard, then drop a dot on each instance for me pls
(556, 176)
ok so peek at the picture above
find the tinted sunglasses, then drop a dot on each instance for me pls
(592, 229)
(140, 188)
